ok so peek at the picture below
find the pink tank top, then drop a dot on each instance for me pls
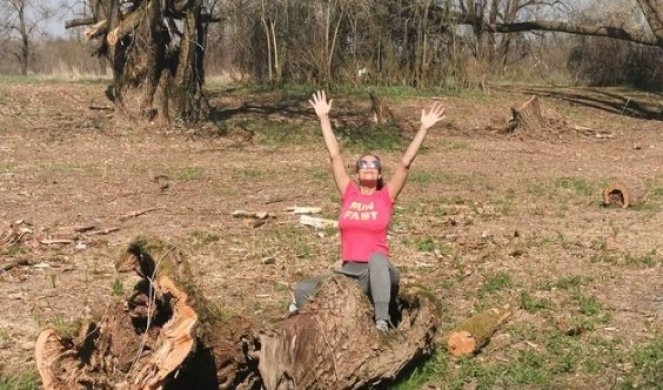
(363, 222)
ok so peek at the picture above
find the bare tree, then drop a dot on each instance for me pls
(650, 34)
(21, 21)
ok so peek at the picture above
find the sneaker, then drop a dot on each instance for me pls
(382, 326)
(292, 308)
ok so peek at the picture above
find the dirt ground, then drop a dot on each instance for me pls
(486, 218)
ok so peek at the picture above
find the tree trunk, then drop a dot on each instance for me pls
(165, 334)
(149, 59)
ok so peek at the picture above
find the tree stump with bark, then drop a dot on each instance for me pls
(381, 112)
(527, 118)
(165, 334)
(332, 343)
(475, 332)
(155, 49)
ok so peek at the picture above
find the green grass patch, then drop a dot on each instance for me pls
(533, 304)
(53, 168)
(189, 174)
(117, 288)
(495, 283)
(648, 259)
(363, 138)
(27, 381)
(440, 178)
(647, 371)
(425, 244)
(200, 239)
(249, 173)
(5, 337)
(575, 185)
(14, 250)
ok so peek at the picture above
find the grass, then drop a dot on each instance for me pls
(200, 239)
(117, 288)
(27, 381)
(648, 259)
(5, 337)
(189, 174)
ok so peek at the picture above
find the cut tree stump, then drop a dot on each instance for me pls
(622, 195)
(381, 112)
(165, 334)
(472, 334)
(527, 117)
(332, 342)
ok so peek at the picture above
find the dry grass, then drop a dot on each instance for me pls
(485, 219)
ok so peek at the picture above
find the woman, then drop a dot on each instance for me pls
(366, 211)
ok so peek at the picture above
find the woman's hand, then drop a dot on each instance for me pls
(434, 115)
(320, 104)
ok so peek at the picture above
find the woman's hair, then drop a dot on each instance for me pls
(380, 183)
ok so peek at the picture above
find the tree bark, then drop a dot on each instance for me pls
(332, 342)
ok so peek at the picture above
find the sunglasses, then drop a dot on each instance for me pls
(368, 164)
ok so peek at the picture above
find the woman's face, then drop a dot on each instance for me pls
(368, 171)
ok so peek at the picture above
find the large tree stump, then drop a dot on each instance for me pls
(472, 334)
(527, 117)
(163, 333)
(332, 342)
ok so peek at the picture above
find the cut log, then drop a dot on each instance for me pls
(127, 25)
(622, 195)
(332, 342)
(96, 30)
(472, 334)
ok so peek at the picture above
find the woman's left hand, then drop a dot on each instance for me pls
(434, 115)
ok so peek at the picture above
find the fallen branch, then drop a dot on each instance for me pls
(135, 214)
(102, 232)
(54, 241)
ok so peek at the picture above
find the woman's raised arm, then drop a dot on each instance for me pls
(322, 108)
(428, 120)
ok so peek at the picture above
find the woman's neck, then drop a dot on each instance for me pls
(366, 190)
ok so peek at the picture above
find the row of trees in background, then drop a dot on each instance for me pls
(419, 43)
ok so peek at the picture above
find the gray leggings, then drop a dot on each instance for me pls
(378, 279)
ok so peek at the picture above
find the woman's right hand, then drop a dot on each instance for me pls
(320, 104)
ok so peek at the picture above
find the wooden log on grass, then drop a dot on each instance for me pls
(472, 334)
(623, 195)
